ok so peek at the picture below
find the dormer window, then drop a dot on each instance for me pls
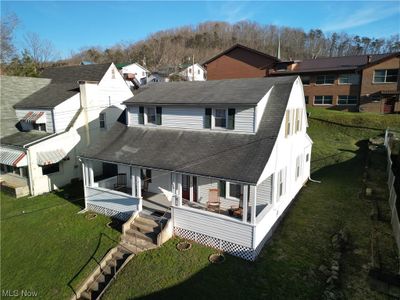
(151, 115)
(220, 118)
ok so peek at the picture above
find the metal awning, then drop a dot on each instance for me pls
(50, 157)
(35, 117)
(13, 157)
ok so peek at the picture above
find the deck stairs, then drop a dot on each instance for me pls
(139, 234)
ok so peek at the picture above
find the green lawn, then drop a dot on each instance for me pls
(288, 267)
(45, 243)
(45, 248)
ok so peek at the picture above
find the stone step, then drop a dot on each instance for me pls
(86, 295)
(144, 227)
(134, 249)
(146, 220)
(138, 243)
(150, 236)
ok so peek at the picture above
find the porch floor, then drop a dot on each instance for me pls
(155, 204)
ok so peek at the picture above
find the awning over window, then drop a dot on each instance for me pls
(35, 117)
(50, 157)
(13, 157)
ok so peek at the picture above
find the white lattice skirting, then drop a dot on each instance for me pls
(228, 247)
(108, 212)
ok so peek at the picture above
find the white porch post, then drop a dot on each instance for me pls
(133, 181)
(245, 202)
(139, 188)
(179, 180)
(253, 192)
(91, 174)
(173, 189)
(191, 195)
(84, 177)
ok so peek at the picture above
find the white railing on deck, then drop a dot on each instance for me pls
(392, 192)
(107, 183)
(110, 203)
(214, 225)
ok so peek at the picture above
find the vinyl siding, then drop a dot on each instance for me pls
(193, 118)
(244, 120)
(65, 112)
(264, 192)
(49, 118)
(215, 226)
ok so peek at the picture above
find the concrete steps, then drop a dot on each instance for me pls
(98, 283)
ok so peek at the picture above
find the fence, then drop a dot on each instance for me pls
(392, 194)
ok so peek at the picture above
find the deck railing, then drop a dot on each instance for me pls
(392, 191)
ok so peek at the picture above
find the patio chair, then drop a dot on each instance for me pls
(214, 201)
(121, 181)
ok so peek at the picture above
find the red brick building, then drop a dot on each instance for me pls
(358, 83)
(239, 62)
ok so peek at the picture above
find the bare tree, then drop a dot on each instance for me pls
(42, 51)
(7, 26)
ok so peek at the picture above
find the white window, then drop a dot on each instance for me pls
(151, 115)
(288, 123)
(220, 118)
(325, 79)
(323, 100)
(102, 120)
(281, 182)
(347, 100)
(386, 76)
(349, 79)
(298, 119)
(198, 72)
(298, 167)
(112, 74)
(307, 157)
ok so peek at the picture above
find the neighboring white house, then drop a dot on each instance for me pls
(140, 73)
(193, 73)
(59, 121)
(226, 156)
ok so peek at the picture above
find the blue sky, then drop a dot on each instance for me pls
(75, 24)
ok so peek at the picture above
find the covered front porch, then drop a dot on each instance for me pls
(119, 190)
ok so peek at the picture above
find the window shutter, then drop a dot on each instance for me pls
(222, 188)
(141, 115)
(207, 118)
(287, 123)
(231, 118)
(158, 113)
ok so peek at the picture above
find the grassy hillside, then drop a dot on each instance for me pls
(288, 267)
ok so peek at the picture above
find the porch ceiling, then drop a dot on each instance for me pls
(236, 157)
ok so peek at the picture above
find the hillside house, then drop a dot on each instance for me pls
(131, 71)
(226, 157)
(193, 72)
(57, 122)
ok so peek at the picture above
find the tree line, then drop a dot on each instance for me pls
(173, 47)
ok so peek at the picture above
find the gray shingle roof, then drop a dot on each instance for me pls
(20, 138)
(214, 92)
(345, 63)
(64, 84)
(236, 157)
(13, 90)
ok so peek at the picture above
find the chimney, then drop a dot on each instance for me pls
(369, 58)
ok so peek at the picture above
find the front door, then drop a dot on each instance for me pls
(186, 187)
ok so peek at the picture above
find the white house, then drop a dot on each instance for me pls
(140, 73)
(227, 157)
(193, 73)
(58, 121)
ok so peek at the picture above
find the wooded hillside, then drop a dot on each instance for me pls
(176, 46)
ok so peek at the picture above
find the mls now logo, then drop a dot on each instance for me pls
(17, 293)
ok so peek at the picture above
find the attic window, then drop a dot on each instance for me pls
(112, 74)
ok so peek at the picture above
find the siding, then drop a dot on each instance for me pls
(159, 179)
(64, 112)
(193, 118)
(215, 226)
(244, 120)
(49, 118)
(183, 117)
(264, 192)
